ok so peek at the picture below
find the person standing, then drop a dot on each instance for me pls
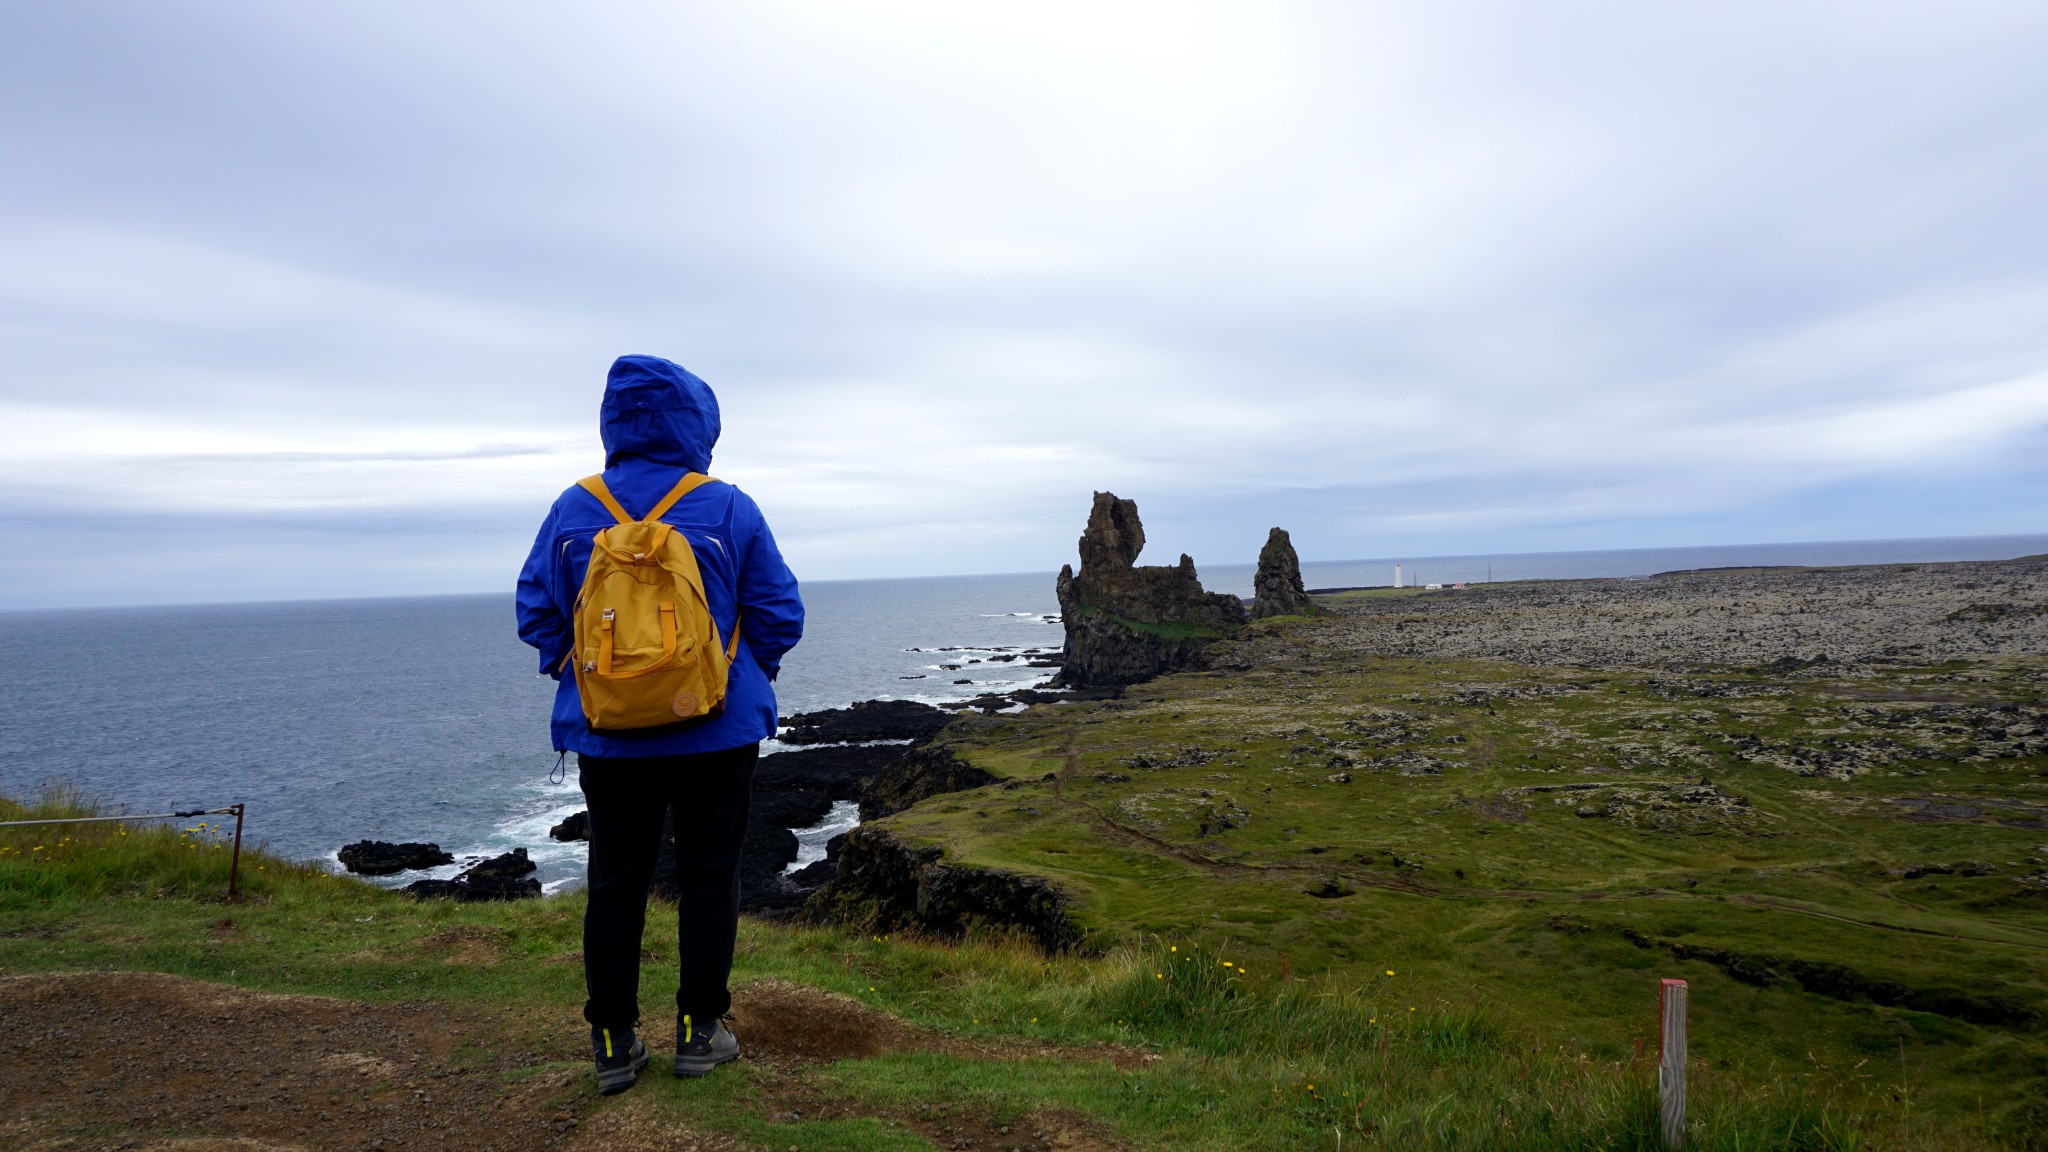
(659, 423)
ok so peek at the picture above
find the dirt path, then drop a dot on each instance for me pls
(95, 1062)
(146, 1061)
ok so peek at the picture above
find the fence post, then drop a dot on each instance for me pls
(1671, 1065)
(235, 861)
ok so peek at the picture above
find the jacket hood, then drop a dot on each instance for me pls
(656, 410)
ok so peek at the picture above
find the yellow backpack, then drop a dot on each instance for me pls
(647, 651)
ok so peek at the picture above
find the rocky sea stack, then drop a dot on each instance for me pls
(1124, 623)
(1277, 587)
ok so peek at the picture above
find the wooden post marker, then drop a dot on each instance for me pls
(1671, 1065)
(235, 861)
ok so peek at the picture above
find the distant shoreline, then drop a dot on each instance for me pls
(1368, 572)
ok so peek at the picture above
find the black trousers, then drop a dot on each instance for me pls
(707, 793)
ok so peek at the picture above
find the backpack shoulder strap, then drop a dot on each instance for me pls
(684, 487)
(595, 486)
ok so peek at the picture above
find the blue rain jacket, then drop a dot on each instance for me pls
(659, 423)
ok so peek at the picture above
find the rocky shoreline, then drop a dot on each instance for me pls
(1781, 618)
(1737, 638)
(1690, 627)
(872, 753)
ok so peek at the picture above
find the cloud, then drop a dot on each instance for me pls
(1401, 278)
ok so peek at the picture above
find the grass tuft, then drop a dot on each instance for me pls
(152, 859)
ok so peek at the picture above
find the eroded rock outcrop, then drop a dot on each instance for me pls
(510, 865)
(1277, 589)
(1126, 623)
(924, 773)
(476, 891)
(505, 877)
(883, 884)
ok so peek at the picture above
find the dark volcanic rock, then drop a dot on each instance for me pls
(382, 858)
(1277, 587)
(993, 702)
(765, 890)
(923, 773)
(508, 866)
(819, 873)
(792, 808)
(865, 720)
(836, 772)
(576, 827)
(472, 891)
(765, 851)
(884, 885)
(813, 876)
(1125, 623)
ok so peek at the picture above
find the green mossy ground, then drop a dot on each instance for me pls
(1264, 811)
(1445, 891)
(1157, 1044)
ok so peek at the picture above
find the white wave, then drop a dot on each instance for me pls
(810, 842)
(771, 747)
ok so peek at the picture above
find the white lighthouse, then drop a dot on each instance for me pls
(1397, 575)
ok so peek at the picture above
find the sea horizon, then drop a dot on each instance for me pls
(1454, 567)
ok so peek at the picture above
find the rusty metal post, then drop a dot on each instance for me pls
(235, 861)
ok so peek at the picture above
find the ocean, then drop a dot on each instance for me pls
(417, 718)
(425, 718)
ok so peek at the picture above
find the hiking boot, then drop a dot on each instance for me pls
(699, 1050)
(620, 1057)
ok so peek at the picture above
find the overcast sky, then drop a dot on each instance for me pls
(316, 299)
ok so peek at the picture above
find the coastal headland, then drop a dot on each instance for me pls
(1820, 795)
(1400, 870)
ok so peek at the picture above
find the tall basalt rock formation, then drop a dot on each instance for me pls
(1277, 589)
(1125, 623)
